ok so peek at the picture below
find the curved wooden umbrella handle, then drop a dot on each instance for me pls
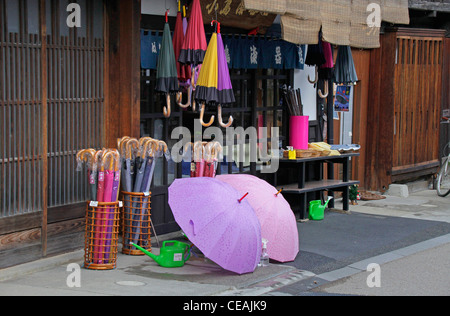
(324, 96)
(167, 110)
(317, 77)
(230, 120)
(202, 113)
(193, 83)
(180, 99)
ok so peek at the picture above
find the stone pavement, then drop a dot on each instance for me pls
(408, 237)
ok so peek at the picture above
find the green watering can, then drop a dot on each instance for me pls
(317, 210)
(173, 254)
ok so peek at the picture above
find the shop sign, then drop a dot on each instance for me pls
(232, 13)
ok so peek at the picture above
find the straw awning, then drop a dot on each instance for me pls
(343, 22)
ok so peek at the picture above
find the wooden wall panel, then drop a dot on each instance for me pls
(404, 107)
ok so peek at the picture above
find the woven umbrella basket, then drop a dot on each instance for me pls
(136, 223)
(101, 235)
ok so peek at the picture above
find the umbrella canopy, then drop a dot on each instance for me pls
(345, 72)
(225, 230)
(315, 57)
(278, 223)
(167, 75)
(194, 46)
(207, 83)
(184, 71)
(214, 83)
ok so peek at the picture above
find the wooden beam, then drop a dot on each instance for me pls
(441, 6)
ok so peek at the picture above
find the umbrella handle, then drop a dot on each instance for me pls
(230, 120)
(317, 77)
(180, 98)
(202, 113)
(131, 144)
(324, 96)
(167, 110)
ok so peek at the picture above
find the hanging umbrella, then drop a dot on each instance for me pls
(226, 94)
(185, 21)
(315, 57)
(345, 72)
(278, 223)
(217, 221)
(326, 69)
(167, 76)
(194, 46)
(183, 70)
(214, 83)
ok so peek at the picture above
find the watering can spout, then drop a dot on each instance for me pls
(173, 254)
(148, 253)
(329, 199)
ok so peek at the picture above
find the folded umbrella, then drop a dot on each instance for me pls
(183, 70)
(218, 222)
(112, 177)
(345, 72)
(194, 45)
(278, 223)
(166, 74)
(199, 151)
(212, 151)
(88, 156)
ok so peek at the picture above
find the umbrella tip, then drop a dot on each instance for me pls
(240, 200)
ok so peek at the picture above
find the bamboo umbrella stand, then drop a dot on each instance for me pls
(136, 223)
(102, 235)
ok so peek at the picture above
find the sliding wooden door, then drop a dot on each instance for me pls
(51, 106)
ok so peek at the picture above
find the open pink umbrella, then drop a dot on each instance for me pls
(278, 223)
(217, 221)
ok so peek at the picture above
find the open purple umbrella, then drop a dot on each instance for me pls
(216, 220)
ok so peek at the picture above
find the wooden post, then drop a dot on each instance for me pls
(122, 71)
(44, 76)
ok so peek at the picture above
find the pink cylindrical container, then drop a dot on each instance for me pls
(299, 132)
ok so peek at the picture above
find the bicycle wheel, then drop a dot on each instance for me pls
(443, 179)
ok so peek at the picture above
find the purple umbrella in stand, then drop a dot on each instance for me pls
(218, 221)
(112, 180)
(111, 156)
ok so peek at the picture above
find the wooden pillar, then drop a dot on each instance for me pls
(122, 71)
(44, 127)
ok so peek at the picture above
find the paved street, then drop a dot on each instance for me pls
(409, 238)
